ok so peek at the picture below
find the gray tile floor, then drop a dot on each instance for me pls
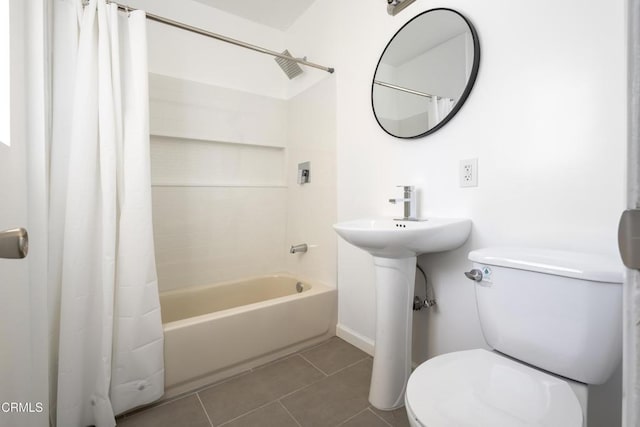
(326, 385)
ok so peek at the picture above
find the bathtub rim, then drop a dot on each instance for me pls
(316, 287)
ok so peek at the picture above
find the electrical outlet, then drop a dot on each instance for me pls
(469, 173)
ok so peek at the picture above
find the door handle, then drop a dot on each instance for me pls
(629, 238)
(14, 243)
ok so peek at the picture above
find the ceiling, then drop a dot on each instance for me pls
(278, 14)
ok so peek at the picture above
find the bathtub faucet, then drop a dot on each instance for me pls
(302, 248)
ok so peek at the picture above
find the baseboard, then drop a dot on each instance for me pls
(363, 343)
(352, 337)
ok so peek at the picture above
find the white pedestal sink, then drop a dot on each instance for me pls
(395, 244)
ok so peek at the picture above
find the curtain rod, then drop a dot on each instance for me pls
(404, 89)
(220, 37)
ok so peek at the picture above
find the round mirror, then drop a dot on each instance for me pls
(425, 73)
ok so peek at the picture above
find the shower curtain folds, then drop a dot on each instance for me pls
(110, 333)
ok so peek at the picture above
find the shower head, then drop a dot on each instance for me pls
(290, 68)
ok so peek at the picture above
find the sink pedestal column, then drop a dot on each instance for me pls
(395, 279)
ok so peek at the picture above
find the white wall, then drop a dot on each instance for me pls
(546, 119)
(179, 53)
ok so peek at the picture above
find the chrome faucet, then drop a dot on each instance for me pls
(410, 203)
(301, 248)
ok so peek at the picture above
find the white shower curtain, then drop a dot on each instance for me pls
(110, 356)
(439, 108)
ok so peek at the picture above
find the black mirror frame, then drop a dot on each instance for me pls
(467, 89)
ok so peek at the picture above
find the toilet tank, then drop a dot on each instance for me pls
(556, 310)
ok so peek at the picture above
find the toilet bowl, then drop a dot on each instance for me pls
(553, 320)
(482, 388)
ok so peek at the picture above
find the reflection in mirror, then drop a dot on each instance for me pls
(425, 73)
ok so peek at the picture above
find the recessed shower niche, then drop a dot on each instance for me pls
(224, 162)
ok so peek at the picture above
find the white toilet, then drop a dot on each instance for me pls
(554, 321)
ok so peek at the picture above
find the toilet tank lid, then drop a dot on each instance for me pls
(579, 265)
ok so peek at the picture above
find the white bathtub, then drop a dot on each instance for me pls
(216, 331)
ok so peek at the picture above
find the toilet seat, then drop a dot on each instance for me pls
(481, 388)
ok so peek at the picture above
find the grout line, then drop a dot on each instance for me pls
(281, 397)
(273, 362)
(298, 353)
(353, 416)
(204, 409)
(321, 379)
(247, 413)
(183, 395)
(325, 342)
(383, 420)
(311, 363)
(241, 374)
(349, 366)
(154, 405)
(301, 388)
(290, 414)
(217, 383)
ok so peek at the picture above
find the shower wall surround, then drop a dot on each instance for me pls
(311, 208)
(186, 109)
(218, 175)
(226, 141)
(225, 200)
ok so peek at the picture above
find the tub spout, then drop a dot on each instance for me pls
(302, 248)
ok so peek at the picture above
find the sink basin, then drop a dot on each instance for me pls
(389, 238)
